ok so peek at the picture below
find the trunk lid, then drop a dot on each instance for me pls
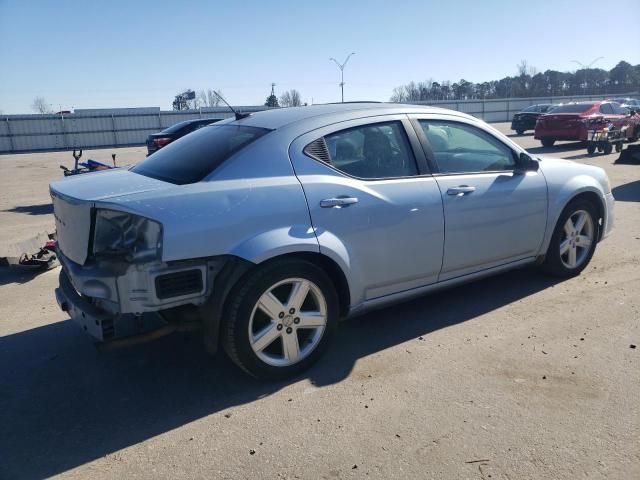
(74, 197)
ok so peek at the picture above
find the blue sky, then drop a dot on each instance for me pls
(89, 54)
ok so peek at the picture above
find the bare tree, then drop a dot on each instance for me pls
(40, 105)
(201, 99)
(207, 98)
(290, 98)
(213, 99)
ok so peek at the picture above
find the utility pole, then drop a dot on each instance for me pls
(341, 67)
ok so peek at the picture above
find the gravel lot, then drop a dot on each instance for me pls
(513, 377)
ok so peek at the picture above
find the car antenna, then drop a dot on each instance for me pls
(239, 116)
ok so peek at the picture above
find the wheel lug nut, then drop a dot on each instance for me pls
(289, 329)
(292, 311)
(281, 315)
(296, 320)
(279, 327)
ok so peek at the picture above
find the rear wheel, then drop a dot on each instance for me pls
(608, 148)
(280, 319)
(591, 148)
(519, 132)
(574, 240)
(618, 147)
(548, 142)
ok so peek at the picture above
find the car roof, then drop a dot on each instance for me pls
(279, 117)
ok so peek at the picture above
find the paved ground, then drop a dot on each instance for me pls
(512, 377)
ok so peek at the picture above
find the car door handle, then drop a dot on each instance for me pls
(338, 202)
(461, 190)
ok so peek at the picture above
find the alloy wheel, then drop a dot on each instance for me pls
(287, 322)
(577, 237)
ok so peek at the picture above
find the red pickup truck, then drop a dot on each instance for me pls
(572, 121)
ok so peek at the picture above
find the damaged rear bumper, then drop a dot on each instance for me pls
(110, 302)
(93, 320)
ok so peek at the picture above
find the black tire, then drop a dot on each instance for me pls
(244, 298)
(618, 147)
(553, 263)
(591, 148)
(519, 132)
(548, 142)
(608, 148)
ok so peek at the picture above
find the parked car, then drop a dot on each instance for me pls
(573, 121)
(526, 119)
(630, 103)
(268, 229)
(156, 141)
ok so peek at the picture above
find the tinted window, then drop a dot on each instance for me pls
(176, 127)
(193, 157)
(459, 148)
(378, 150)
(573, 108)
(618, 109)
(606, 108)
(544, 108)
(532, 108)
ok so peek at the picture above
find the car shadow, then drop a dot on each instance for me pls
(17, 274)
(628, 192)
(64, 404)
(39, 209)
(562, 147)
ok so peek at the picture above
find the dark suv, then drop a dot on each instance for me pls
(156, 141)
(526, 119)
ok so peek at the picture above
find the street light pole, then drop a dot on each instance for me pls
(341, 67)
(587, 67)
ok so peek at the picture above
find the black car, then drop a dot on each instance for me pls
(156, 141)
(526, 119)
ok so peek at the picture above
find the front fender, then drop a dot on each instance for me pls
(561, 194)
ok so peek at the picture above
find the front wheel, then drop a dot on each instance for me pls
(280, 319)
(574, 240)
(519, 132)
(548, 142)
(591, 148)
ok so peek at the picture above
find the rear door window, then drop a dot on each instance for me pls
(606, 108)
(194, 156)
(373, 151)
(619, 109)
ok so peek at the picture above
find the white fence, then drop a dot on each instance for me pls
(131, 126)
(91, 129)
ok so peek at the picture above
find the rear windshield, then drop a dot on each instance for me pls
(573, 108)
(193, 157)
(176, 127)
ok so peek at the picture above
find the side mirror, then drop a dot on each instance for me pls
(527, 164)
